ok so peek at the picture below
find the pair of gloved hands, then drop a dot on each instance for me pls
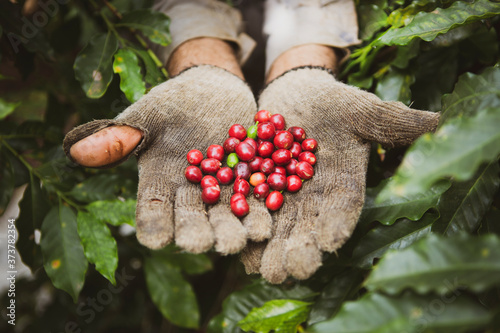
(195, 109)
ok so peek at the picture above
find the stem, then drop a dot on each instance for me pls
(141, 41)
(36, 173)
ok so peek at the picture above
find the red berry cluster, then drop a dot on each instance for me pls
(267, 157)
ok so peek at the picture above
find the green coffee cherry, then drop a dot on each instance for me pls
(252, 132)
(232, 160)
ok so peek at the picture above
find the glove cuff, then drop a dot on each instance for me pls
(203, 18)
(290, 23)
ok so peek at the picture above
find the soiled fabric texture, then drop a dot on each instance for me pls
(186, 112)
(323, 214)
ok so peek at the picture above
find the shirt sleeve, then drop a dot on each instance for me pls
(203, 18)
(290, 23)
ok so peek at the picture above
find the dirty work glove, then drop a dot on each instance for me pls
(190, 111)
(323, 214)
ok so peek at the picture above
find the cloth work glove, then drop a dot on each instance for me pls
(190, 111)
(323, 214)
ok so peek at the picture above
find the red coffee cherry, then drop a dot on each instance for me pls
(238, 131)
(208, 181)
(267, 166)
(262, 116)
(280, 170)
(261, 191)
(215, 151)
(278, 121)
(283, 140)
(230, 145)
(252, 142)
(245, 151)
(296, 149)
(277, 181)
(294, 183)
(309, 145)
(266, 131)
(304, 170)
(274, 200)
(193, 174)
(210, 166)
(298, 133)
(308, 157)
(225, 175)
(239, 205)
(291, 167)
(242, 169)
(235, 197)
(257, 178)
(241, 186)
(282, 157)
(265, 149)
(210, 195)
(194, 157)
(255, 164)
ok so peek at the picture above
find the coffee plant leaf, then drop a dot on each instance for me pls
(152, 24)
(126, 65)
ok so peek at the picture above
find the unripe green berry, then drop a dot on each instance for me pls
(232, 160)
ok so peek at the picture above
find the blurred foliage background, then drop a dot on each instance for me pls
(430, 225)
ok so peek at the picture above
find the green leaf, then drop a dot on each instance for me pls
(7, 181)
(98, 187)
(428, 25)
(341, 287)
(63, 257)
(490, 223)
(404, 16)
(440, 264)
(172, 295)
(409, 313)
(188, 262)
(93, 65)
(395, 86)
(98, 244)
(240, 303)
(281, 315)
(126, 65)
(463, 206)
(33, 208)
(392, 208)
(472, 94)
(398, 236)
(7, 108)
(371, 18)
(114, 212)
(153, 74)
(154, 25)
(456, 150)
(428, 89)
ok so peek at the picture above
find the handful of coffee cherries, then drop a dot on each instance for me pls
(266, 156)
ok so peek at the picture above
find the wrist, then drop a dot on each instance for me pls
(314, 55)
(204, 51)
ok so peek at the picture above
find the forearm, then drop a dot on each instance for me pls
(305, 55)
(204, 51)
